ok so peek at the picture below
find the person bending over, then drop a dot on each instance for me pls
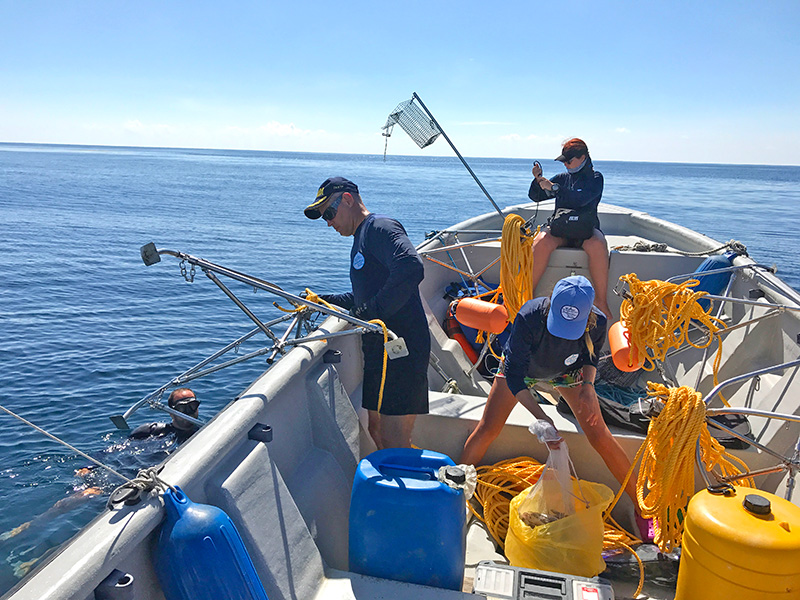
(553, 340)
(581, 187)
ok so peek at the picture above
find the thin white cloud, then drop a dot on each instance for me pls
(274, 128)
(511, 137)
(622, 130)
(557, 139)
(482, 123)
(136, 126)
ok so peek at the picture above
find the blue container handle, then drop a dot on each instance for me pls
(406, 468)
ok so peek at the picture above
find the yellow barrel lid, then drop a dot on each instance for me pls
(747, 525)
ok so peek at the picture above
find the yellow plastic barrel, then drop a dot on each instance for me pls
(742, 546)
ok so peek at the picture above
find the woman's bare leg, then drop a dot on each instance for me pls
(498, 406)
(586, 408)
(596, 249)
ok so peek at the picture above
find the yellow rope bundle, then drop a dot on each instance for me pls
(658, 317)
(666, 475)
(516, 265)
(659, 314)
(497, 485)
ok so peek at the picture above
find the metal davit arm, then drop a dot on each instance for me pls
(151, 255)
(789, 464)
(718, 388)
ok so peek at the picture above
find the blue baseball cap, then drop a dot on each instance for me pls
(570, 305)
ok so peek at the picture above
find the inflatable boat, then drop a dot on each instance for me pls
(318, 514)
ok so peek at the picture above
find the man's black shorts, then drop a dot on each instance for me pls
(403, 394)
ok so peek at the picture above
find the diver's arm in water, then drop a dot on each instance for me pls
(64, 505)
(151, 430)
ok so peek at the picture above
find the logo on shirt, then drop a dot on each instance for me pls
(570, 359)
(569, 312)
(358, 261)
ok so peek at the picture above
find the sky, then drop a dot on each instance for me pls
(677, 81)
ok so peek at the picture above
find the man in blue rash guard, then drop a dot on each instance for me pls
(580, 187)
(385, 272)
(553, 340)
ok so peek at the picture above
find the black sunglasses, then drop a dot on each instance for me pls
(330, 212)
(190, 401)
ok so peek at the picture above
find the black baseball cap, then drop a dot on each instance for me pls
(571, 149)
(329, 186)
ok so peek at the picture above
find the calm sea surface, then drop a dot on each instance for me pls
(87, 329)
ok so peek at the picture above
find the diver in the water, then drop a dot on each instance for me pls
(183, 400)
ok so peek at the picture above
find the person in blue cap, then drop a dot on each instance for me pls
(556, 341)
(385, 272)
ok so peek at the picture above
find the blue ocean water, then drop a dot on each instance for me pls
(88, 329)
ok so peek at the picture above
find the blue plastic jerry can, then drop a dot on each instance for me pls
(200, 554)
(406, 525)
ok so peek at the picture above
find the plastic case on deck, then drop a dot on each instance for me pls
(504, 582)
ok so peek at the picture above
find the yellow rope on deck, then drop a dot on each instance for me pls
(498, 484)
(665, 482)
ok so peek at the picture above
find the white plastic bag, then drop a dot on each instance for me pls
(552, 496)
(544, 430)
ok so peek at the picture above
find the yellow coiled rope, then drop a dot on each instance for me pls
(312, 297)
(516, 270)
(666, 475)
(499, 483)
(516, 265)
(658, 315)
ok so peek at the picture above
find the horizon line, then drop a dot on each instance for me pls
(453, 156)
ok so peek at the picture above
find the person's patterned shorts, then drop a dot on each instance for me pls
(569, 379)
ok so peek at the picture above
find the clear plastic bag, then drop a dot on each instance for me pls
(552, 495)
